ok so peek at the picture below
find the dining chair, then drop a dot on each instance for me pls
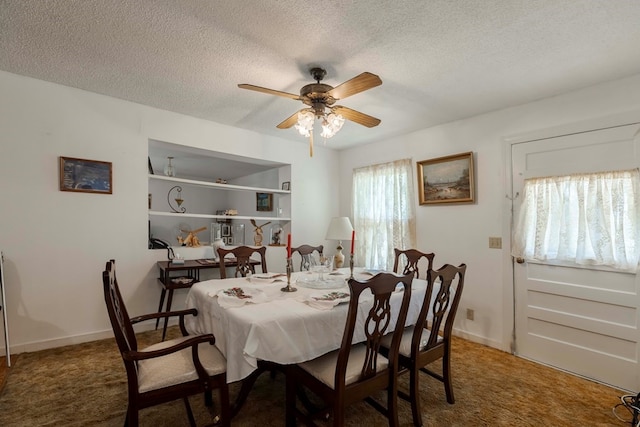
(243, 255)
(306, 252)
(430, 339)
(355, 372)
(169, 370)
(412, 257)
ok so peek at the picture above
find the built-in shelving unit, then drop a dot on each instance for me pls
(199, 174)
(216, 186)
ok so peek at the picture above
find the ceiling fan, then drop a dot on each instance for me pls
(320, 99)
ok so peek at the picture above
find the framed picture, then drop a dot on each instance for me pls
(226, 230)
(286, 185)
(86, 176)
(447, 179)
(264, 202)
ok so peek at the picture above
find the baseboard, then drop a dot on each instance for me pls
(71, 340)
(100, 335)
(59, 342)
(478, 339)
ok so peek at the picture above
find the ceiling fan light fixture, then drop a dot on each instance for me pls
(305, 122)
(331, 124)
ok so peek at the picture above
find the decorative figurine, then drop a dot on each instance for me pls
(257, 239)
(191, 240)
(276, 238)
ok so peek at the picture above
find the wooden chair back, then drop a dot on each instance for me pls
(413, 257)
(243, 256)
(449, 281)
(431, 338)
(357, 372)
(306, 252)
(120, 321)
(376, 325)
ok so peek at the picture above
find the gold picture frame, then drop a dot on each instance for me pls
(85, 176)
(448, 179)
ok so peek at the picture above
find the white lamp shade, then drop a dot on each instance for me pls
(340, 228)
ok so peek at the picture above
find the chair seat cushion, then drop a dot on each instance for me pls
(324, 367)
(407, 337)
(177, 367)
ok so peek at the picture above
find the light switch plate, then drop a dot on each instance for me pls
(495, 242)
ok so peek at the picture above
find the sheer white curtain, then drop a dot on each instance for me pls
(587, 219)
(383, 212)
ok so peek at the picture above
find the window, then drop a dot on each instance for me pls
(587, 219)
(383, 212)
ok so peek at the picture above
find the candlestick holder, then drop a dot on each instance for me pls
(289, 288)
(351, 265)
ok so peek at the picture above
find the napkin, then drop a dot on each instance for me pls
(239, 296)
(267, 278)
(326, 300)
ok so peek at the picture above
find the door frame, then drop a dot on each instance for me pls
(582, 126)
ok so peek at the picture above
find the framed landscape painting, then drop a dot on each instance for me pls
(448, 179)
(264, 202)
(86, 176)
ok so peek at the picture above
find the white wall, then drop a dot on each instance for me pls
(56, 243)
(460, 233)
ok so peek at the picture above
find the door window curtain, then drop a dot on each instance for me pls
(383, 213)
(587, 219)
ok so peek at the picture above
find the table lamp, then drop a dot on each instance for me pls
(340, 229)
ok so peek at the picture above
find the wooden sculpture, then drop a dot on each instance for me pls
(257, 238)
(191, 240)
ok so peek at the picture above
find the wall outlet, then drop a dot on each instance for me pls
(470, 314)
(495, 242)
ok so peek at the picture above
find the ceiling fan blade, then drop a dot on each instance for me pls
(269, 91)
(289, 121)
(358, 84)
(356, 116)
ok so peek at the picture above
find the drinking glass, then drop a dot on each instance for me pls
(322, 265)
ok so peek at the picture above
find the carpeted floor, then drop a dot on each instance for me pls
(85, 385)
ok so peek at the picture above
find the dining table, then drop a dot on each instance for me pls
(254, 321)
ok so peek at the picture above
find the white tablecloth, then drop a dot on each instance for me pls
(284, 328)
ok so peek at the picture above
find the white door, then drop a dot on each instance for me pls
(582, 320)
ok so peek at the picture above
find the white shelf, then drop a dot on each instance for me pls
(215, 185)
(194, 215)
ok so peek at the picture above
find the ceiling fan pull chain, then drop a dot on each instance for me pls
(311, 144)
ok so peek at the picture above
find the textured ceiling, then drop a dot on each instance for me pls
(439, 60)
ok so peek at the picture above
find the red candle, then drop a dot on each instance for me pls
(353, 239)
(289, 245)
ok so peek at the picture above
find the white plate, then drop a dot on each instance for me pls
(328, 282)
(267, 278)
